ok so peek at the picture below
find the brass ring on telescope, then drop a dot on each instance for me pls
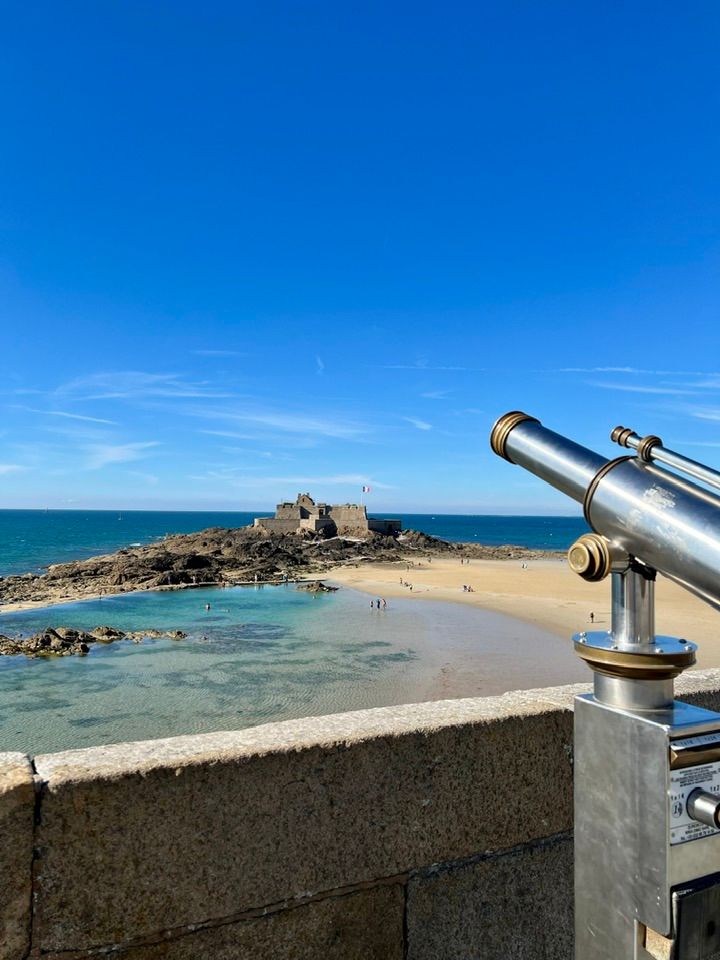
(502, 428)
(636, 666)
(645, 447)
(620, 435)
(593, 485)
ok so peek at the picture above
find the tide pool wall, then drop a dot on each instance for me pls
(434, 831)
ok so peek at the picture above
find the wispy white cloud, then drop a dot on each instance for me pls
(320, 365)
(599, 370)
(336, 479)
(237, 477)
(6, 468)
(103, 454)
(421, 367)
(636, 388)
(292, 423)
(713, 383)
(137, 385)
(230, 434)
(219, 353)
(703, 413)
(418, 424)
(149, 478)
(696, 443)
(635, 370)
(435, 394)
(69, 416)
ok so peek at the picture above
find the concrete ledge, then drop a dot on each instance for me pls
(17, 812)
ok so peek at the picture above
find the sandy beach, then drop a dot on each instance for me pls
(545, 593)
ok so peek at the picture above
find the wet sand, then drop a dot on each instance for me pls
(546, 594)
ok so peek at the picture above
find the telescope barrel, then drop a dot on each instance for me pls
(664, 520)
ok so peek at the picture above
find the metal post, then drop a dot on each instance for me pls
(633, 631)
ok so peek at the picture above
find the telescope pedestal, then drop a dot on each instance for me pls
(635, 845)
(647, 885)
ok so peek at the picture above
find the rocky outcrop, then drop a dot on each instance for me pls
(218, 555)
(66, 641)
(316, 586)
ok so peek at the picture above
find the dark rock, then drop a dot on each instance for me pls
(66, 641)
(107, 633)
(316, 586)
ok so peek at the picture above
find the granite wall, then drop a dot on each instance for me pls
(421, 832)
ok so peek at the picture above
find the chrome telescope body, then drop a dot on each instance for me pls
(664, 520)
(646, 766)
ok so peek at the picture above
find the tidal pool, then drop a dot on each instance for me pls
(258, 654)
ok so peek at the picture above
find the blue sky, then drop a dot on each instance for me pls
(248, 249)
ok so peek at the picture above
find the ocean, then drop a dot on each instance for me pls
(32, 539)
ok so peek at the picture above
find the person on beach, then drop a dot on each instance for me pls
(377, 602)
(592, 617)
(372, 605)
(384, 601)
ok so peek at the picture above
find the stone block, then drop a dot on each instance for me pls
(516, 906)
(17, 814)
(367, 925)
(138, 838)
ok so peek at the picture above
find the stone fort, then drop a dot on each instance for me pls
(329, 520)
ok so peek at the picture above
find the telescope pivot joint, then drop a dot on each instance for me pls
(593, 557)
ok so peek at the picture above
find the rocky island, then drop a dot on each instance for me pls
(232, 556)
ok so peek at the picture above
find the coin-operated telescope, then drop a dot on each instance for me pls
(647, 766)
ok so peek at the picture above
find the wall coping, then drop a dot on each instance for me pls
(331, 730)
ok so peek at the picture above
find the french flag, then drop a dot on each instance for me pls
(366, 489)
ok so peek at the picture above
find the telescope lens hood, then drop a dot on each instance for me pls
(502, 429)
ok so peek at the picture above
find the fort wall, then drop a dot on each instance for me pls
(278, 525)
(434, 831)
(343, 519)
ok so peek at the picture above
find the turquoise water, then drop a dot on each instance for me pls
(30, 539)
(258, 654)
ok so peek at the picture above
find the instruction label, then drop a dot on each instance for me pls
(682, 783)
